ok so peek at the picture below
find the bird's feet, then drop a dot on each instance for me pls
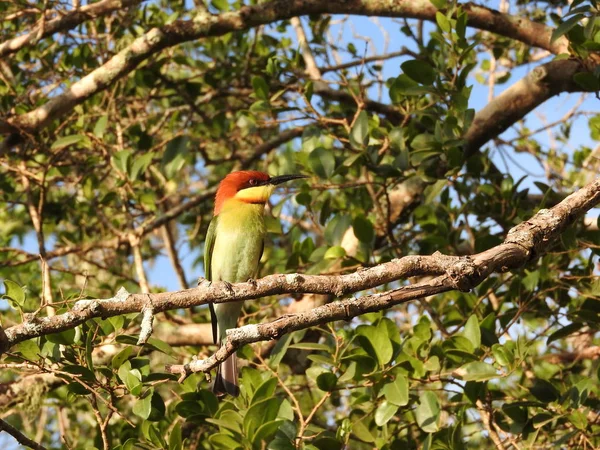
(202, 280)
(253, 282)
(228, 287)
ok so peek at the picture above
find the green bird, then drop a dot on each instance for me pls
(234, 246)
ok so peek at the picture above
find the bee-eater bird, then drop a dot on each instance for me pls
(233, 248)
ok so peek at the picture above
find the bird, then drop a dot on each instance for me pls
(233, 248)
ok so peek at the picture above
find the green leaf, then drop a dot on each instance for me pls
(100, 126)
(66, 337)
(266, 431)
(29, 349)
(378, 340)
(157, 408)
(428, 412)
(121, 160)
(396, 392)
(476, 371)
(361, 431)
(587, 81)
(565, 331)
(260, 413)
(175, 438)
(132, 378)
(359, 135)
(516, 412)
(279, 350)
(174, 156)
(422, 329)
(544, 391)
(503, 356)
(158, 345)
(143, 405)
(89, 345)
(472, 331)
(565, 27)
(327, 381)
(322, 162)
(140, 164)
(191, 410)
(221, 5)
(265, 390)
(223, 441)
(311, 346)
(439, 4)
(261, 88)
(335, 252)
(419, 71)
(67, 140)
(14, 294)
(121, 357)
(578, 419)
(308, 90)
(443, 22)
(384, 412)
(363, 229)
(539, 420)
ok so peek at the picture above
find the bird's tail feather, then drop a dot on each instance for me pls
(226, 380)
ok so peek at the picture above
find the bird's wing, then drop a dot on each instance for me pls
(209, 245)
(262, 250)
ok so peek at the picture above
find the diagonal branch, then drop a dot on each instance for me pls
(523, 243)
(205, 293)
(541, 84)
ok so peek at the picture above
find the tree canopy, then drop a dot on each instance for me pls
(434, 283)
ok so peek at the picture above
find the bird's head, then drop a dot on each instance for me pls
(248, 186)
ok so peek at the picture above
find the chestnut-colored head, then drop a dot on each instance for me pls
(248, 186)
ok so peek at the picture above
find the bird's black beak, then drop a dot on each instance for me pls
(285, 178)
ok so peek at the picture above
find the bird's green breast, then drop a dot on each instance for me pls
(239, 241)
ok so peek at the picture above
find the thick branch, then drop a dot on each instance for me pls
(65, 22)
(206, 25)
(124, 303)
(524, 242)
(544, 82)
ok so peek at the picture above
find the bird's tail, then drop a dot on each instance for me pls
(226, 380)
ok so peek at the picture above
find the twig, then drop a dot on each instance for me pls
(20, 437)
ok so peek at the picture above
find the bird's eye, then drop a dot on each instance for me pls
(253, 182)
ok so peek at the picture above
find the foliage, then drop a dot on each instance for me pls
(126, 180)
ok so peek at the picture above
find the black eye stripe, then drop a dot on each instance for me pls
(253, 183)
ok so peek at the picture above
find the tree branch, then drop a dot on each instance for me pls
(541, 84)
(20, 437)
(523, 243)
(207, 292)
(283, 137)
(65, 22)
(206, 25)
